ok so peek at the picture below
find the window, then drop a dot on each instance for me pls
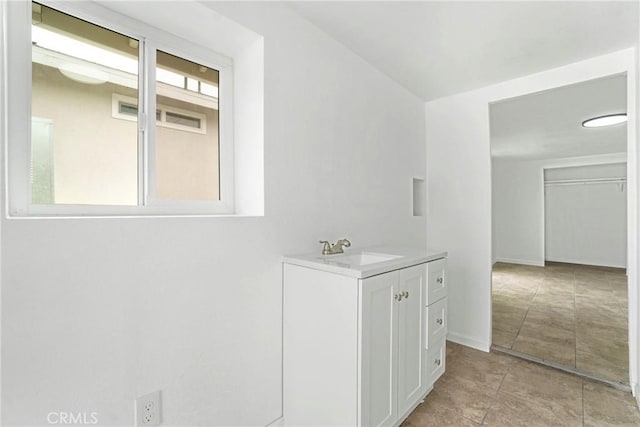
(91, 148)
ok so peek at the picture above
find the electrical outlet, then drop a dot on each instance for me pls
(148, 409)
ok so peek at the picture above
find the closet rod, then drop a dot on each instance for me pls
(586, 181)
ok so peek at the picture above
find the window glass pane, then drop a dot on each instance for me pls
(187, 142)
(81, 153)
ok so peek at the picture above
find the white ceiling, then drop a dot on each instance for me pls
(548, 124)
(435, 49)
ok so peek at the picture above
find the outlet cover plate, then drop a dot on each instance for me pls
(148, 410)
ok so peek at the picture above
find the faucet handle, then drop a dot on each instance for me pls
(326, 247)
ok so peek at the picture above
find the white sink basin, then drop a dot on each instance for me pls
(365, 262)
(360, 258)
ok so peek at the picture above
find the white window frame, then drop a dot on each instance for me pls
(16, 85)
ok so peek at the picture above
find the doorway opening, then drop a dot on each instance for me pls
(559, 283)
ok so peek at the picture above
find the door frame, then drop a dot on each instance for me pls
(622, 62)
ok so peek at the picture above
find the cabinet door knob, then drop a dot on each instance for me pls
(405, 294)
(437, 362)
(398, 297)
(439, 321)
(440, 280)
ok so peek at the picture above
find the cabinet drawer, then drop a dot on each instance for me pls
(437, 280)
(436, 361)
(436, 315)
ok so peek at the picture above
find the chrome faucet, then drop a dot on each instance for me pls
(329, 249)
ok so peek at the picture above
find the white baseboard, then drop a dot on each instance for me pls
(520, 261)
(583, 262)
(469, 342)
(279, 422)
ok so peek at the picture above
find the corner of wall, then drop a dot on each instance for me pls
(469, 342)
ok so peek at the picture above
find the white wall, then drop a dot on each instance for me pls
(98, 311)
(518, 214)
(459, 186)
(586, 223)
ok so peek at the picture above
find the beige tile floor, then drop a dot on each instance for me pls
(495, 389)
(568, 314)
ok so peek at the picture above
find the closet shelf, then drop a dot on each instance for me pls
(586, 181)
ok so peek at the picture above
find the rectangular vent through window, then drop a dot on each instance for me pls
(168, 116)
(127, 109)
(132, 110)
(180, 119)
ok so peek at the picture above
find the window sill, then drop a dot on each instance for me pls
(127, 216)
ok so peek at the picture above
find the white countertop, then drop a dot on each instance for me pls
(365, 262)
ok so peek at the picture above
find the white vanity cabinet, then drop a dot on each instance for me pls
(357, 349)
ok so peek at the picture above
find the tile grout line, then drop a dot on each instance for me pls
(515, 395)
(495, 396)
(525, 315)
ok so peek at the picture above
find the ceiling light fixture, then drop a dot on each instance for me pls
(608, 120)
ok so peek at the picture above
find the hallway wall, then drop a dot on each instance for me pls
(518, 215)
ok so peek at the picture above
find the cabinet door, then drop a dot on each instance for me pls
(379, 344)
(411, 325)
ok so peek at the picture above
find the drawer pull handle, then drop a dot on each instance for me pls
(440, 280)
(437, 362)
(439, 321)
